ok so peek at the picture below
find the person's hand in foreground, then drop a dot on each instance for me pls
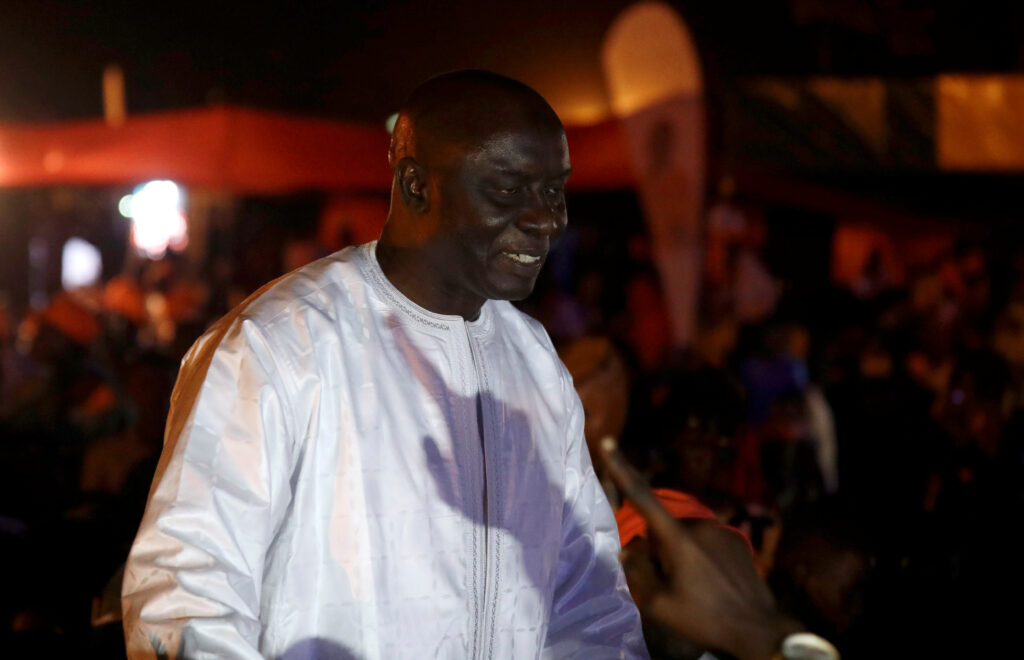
(711, 597)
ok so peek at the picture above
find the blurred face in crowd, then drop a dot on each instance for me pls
(480, 169)
(702, 454)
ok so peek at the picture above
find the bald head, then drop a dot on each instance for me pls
(463, 109)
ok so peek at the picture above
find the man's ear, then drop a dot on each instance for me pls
(411, 178)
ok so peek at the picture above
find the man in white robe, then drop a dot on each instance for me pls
(377, 455)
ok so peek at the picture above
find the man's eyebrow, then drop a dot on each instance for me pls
(512, 171)
(509, 170)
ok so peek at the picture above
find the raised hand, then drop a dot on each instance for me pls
(707, 589)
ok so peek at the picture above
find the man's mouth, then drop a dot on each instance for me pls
(522, 258)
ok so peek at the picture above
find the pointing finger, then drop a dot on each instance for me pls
(659, 520)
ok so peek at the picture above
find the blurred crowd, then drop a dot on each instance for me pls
(85, 387)
(865, 436)
(865, 439)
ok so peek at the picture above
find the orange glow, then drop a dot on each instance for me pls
(649, 56)
(259, 152)
(579, 98)
(217, 147)
(978, 122)
(113, 95)
(53, 161)
(584, 113)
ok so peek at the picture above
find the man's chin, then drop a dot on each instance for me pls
(511, 297)
(510, 291)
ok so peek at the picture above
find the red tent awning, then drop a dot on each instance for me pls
(219, 147)
(246, 150)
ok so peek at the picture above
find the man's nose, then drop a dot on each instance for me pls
(542, 218)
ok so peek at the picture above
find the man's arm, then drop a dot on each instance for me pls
(192, 583)
(592, 614)
(709, 594)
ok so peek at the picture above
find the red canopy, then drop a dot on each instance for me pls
(246, 150)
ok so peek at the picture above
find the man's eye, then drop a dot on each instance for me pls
(556, 190)
(508, 191)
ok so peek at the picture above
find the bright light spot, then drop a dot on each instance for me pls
(390, 122)
(158, 219)
(125, 206)
(155, 198)
(80, 264)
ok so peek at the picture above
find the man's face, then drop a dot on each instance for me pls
(502, 206)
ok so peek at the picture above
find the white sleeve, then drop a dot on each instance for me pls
(192, 582)
(592, 614)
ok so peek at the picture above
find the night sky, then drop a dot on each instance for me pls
(357, 60)
(345, 59)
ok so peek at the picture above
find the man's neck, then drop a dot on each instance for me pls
(418, 280)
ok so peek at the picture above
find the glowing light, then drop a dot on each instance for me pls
(158, 221)
(583, 112)
(125, 206)
(113, 95)
(80, 264)
(649, 56)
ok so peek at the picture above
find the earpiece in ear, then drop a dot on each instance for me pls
(414, 182)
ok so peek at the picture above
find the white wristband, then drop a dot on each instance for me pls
(808, 646)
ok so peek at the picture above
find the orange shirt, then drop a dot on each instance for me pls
(680, 505)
